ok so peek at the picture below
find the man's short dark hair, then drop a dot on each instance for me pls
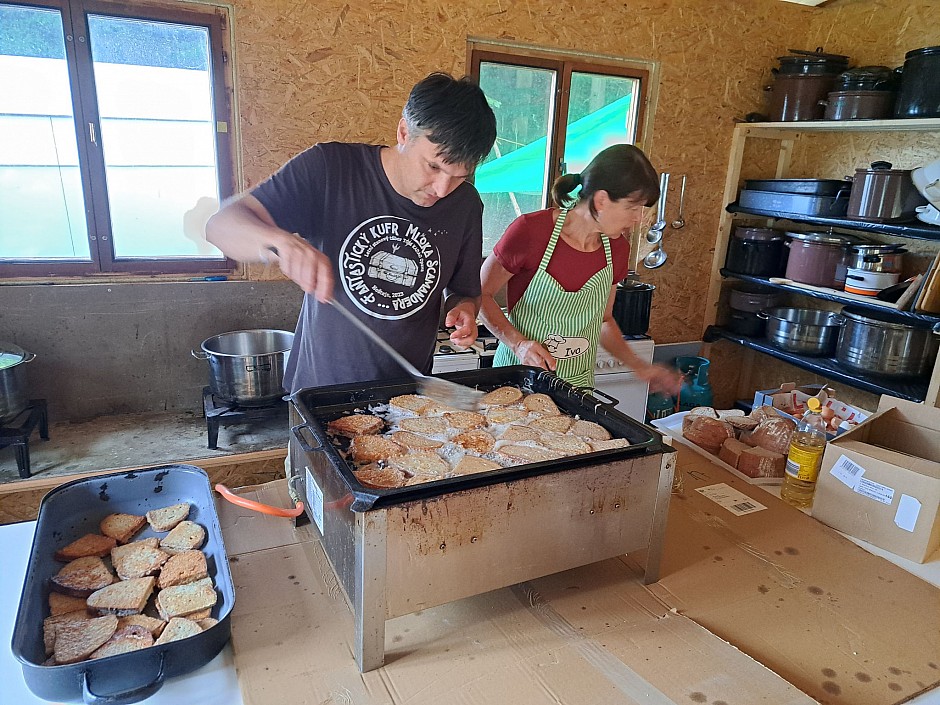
(453, 114)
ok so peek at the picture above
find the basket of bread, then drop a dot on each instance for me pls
(127, 584)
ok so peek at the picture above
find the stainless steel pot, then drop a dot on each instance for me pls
(13, 393)
(875, 257)
(870, 342)
(247, 366)
(881, 194)
(806, 331)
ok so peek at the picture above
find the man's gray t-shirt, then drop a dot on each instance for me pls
(392, 261)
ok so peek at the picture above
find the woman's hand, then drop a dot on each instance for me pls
(661, 379)
(534, 354)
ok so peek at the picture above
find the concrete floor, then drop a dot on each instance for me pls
(115, 442)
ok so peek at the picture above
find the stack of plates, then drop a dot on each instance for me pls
(927, 181)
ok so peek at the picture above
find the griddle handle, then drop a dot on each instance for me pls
(128, 696)
(296, 431)
(598, 393)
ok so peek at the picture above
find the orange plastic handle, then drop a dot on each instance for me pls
(258, 506)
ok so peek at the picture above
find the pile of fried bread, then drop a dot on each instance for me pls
(417, 440)
(755, 444)
(116, 595)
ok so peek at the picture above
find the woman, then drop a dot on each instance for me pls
(560, 266)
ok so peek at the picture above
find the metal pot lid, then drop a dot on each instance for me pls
(758, 234)
(876, 248)
(881, 320)
(633, 285)
(11, 355)
(820, 238)
(925, 51)
(872, 72)
(881, 168)
(818, 52)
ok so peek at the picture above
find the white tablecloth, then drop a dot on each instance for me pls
(213, 684)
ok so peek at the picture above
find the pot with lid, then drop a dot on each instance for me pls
(802, 81)
(919, 94)
(875, 257)
(811, 63)
(881, 194)
(815, 257)
(871, 342)
(759, 252)
(14, 397)
(867, 78)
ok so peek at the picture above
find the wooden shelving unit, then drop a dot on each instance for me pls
(786, 135)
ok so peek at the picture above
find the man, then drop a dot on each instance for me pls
(386, 231)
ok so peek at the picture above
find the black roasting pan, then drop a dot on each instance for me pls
(318, 406)
(74, 509)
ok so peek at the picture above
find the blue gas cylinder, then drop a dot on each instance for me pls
(695, 391)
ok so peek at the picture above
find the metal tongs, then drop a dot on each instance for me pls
(441, 390)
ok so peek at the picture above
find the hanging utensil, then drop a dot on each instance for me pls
(655, 233)
(656, 258)
(679, 222)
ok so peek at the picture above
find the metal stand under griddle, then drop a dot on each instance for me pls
(395, 560)
(220, 412)
(18, 436)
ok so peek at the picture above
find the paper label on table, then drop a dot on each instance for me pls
(735, 502)
(314, 500)
(847, 472)
(875, 490)
(908, 511)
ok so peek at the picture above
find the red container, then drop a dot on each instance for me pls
(814, 258)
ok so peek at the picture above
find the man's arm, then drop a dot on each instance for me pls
(245, 231)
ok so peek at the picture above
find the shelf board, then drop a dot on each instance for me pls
(915, 390)
(899, 125)
(913, 229)
(869, 303)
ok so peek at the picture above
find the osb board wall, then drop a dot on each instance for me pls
(338, 70)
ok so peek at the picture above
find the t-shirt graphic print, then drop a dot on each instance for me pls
(389, 267)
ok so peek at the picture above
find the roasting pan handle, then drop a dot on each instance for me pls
(128, 696)
(258, 506)
(598, 393)
(307, 448)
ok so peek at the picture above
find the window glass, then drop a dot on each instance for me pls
(42, 207)
(154, 91)
(513, 178)
(600, 115)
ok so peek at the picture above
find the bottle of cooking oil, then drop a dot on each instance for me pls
(805, 457)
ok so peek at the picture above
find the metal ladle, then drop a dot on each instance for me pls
(656, 258)
(679, 222)
(655, 233)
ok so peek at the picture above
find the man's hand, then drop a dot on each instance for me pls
(463, 319)
(661, 379)
(303, 264)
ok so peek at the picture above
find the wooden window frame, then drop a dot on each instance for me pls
(74, 15)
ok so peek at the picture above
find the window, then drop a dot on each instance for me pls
(114, 133)
(554, 113)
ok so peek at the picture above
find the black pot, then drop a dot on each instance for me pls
(632, 304)
(868, 78)
(759, 252)
(747, 323)
(919, 95)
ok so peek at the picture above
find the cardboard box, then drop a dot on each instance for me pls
(749, 610)
(880, 482)
(790, 401)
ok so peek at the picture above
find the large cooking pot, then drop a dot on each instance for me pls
(868, 78)
(858, 105)
(756, 251)
(247, 366)
(795, 97)
(802, 62)
(875, 257)
(13, 394)
(881, 194)
(815, 257)
(632, 303)
(806, 331)
(871, 342)
(919, 95)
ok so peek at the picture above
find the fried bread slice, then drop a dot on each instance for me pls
(63, 604)
(470, 464)
(151, 624)
(421, 463)
(609, 444)
(567, 444)
(76, 641)
(477, 440)
(371, 449)
(122, 527)
(528, 454)
(87, 545)
(541, 403)
(185, 567)
(122, 598)
(166, 518)
(502, 396)
(178, 628)
(82, 577)
(137, 559)
(51, 624)
(414, 441)
(519, 433)
(505, 414)
(558, 424)
(356, 425)
(185, 536)
(380, 477)
(589, 429)
(428, 425)
(465, 420)
(182, 600)
(414, 403)
(133, 637)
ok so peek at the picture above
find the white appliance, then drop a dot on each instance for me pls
(450, 358)
(616, 380)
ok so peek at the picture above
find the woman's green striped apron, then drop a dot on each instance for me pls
(567, 323)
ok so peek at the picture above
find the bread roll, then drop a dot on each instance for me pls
(772, 434)
(708, 433)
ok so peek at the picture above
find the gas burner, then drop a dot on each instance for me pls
(34, 414)
(221, 412)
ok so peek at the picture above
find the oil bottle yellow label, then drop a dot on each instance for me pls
(803, 463)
